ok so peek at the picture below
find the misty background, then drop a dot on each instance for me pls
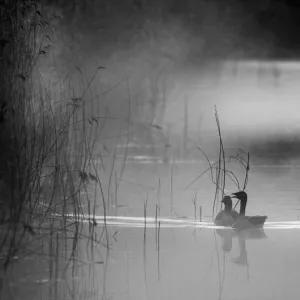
(112, 168)
(166, 64)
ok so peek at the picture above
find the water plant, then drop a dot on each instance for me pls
(47, 148)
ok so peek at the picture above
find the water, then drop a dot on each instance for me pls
(174, 256)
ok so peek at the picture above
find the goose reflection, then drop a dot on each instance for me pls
(227, 235)
(248, 234)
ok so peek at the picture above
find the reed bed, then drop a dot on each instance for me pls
(219, 172)
(48, 162)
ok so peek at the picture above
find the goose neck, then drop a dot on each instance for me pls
(243, 208)
(228, 208)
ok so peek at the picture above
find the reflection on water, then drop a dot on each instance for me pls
(163, 257)
(167, 261)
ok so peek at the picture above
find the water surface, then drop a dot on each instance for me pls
(172, 255)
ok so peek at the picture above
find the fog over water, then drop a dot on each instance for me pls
(257, 102)
(173, 256)
(122, 204)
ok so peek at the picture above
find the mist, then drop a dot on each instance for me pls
(157, 56)
(127, 128)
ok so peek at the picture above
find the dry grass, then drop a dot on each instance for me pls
(47, 148)
(219, 172)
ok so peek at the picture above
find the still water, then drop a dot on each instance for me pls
(171, 255)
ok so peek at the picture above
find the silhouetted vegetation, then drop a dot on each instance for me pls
(47, 146)
(80, 80)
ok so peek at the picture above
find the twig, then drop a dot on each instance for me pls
(128, 128)
(158, 191)
(200, 213)
(172, 175)
(145, 215)
(221, 157)
(194, 200)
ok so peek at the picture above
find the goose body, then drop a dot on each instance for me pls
(227, 216)
(243, 221)
(234, 214)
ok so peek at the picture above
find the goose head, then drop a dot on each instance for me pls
(228, 203)
(242, 196)
(227, 200)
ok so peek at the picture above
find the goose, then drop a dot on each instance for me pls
(227, 216)
(243, 221)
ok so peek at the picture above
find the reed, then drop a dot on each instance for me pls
(156, 213)
(218, 170)
(244, 160)
(145, 215)
(158, 237)
(172, 179)
(110, 179)
(194, 200)
(158, 193)
(47, 147)
(116, 193)
(200, 213)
